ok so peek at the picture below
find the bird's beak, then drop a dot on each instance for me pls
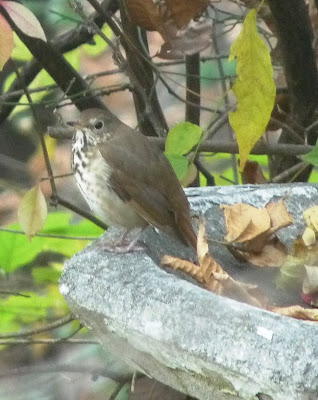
(74, 124)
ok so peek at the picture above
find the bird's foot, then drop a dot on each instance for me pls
(122, 248)
(122, 245)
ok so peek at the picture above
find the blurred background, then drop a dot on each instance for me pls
(59, 369)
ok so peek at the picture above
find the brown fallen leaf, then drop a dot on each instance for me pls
(297, 312)
(279, 215)
(210, 274)
(212, 277)
(245, 222)
(272, 254)
(252, 229)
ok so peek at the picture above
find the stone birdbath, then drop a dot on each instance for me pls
(202, 344)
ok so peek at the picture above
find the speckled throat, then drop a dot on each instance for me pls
(93, 177)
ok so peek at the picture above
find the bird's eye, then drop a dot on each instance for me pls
(99, 125)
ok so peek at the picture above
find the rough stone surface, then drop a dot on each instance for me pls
(209, 347)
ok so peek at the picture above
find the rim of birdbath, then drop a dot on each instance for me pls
(202, 344)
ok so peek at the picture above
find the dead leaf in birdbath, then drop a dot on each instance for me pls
(251, 231)
(211, 275)
(273, 254)
(297, 312)
(279, 215)
(311, 218)
(245, 222)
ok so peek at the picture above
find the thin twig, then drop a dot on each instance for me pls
(193, 95)
(38, 130)
(45, 178)
(290, 173)
(79, 211)
(49, 235)
(210, 181)
(47, 341)
(78, 8)
(215, 146)
(12, 293)
(261, 147)
(226, 99)
(175, 94)
(34, 331)
(58, 368)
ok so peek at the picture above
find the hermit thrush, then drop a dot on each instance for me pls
(126, 179)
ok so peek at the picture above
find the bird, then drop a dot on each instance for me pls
(126, 179)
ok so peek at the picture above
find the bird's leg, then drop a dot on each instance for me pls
(121, 246)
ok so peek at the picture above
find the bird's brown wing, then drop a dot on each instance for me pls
(143, 176)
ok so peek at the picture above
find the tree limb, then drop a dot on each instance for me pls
(51, 52)
(295, 38)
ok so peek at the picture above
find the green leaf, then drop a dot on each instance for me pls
(179, 164)
(16, 250)
(16, 310)
(311, 157)
(182, 138)
(254, 88)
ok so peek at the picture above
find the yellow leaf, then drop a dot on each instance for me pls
(6, 41)
(254, 88)
(309, 237)
(311, 218)
(32, 212)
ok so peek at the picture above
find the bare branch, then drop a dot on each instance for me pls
(39, 131)
(49, 235)
(58, 368)
(61, 44)
(34, 331)
(14, 342)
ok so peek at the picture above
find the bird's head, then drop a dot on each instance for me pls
(93, 124)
